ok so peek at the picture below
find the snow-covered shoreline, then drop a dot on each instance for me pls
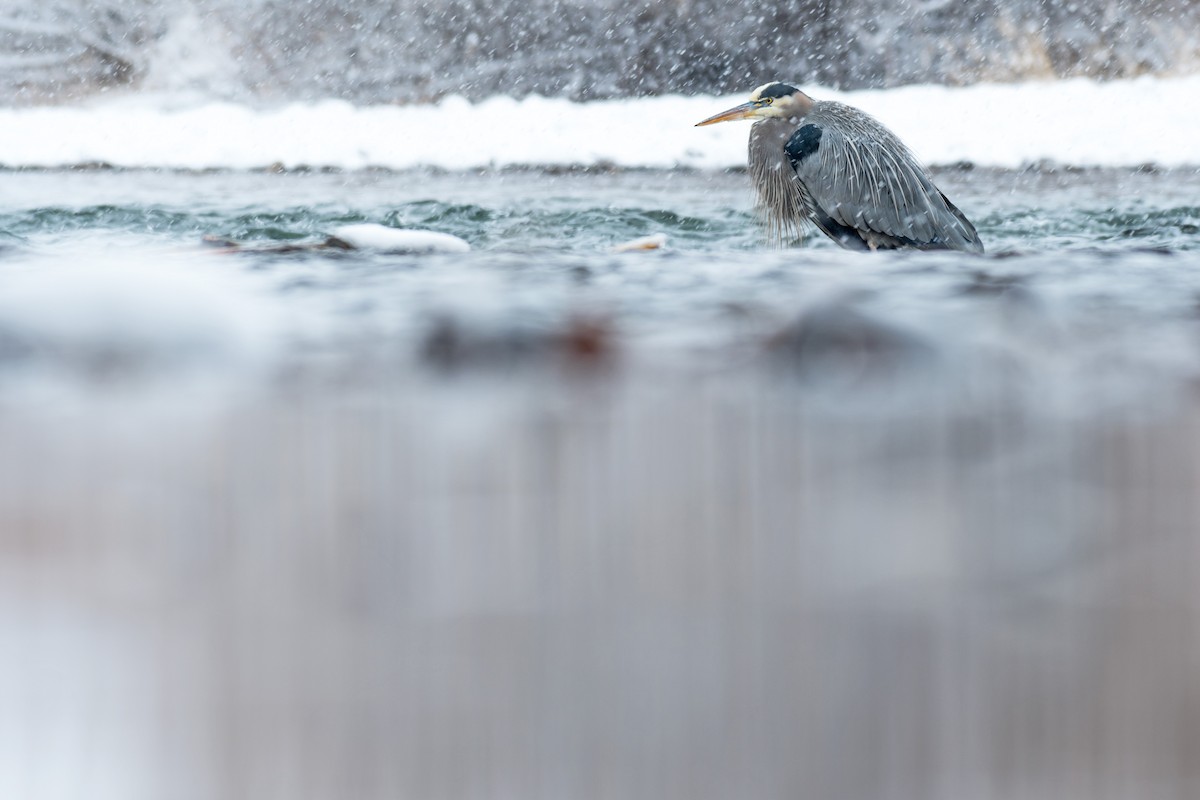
(1074, 122)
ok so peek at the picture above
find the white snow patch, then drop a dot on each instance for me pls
(1076, 122)
(371, 236)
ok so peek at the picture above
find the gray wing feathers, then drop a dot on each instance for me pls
(863, 177)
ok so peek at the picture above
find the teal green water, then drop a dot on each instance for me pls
(577, 212)
(1107, 261)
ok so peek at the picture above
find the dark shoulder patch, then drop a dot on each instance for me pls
(777, 90)
(804, 142)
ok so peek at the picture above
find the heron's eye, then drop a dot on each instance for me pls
(768, 100)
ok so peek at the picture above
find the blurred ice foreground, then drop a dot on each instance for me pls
(588, 588)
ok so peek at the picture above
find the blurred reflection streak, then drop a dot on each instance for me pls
(686, 587)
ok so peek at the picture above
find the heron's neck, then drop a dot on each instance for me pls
(801, 105)
(772, 131)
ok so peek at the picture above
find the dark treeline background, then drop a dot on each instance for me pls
(419, 50)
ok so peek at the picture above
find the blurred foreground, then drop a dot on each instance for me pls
(544, 521)
(591, 586)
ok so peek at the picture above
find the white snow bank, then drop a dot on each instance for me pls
(1075, 122)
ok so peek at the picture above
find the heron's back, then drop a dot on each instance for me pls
(864, 177)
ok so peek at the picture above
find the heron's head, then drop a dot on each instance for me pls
(772, 100)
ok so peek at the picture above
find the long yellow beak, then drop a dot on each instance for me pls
(744, 111)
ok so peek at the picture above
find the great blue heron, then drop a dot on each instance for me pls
(825, 163)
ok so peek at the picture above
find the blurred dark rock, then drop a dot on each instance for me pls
(581, 341)
(984, 284)
(837, 338)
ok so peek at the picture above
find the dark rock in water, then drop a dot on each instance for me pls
(224, 242)
(226, 245)
(364, 236)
